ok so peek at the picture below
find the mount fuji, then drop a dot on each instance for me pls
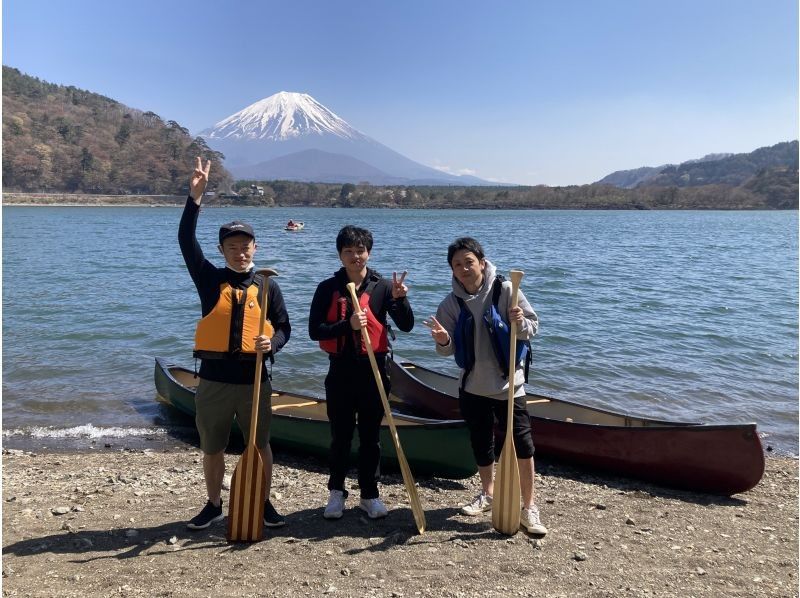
(292, 136)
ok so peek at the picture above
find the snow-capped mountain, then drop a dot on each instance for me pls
(290, 124)
(281, 117)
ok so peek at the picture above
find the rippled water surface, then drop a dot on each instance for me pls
(679, 315)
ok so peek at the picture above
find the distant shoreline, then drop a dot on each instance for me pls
(171, 201)
(86, 200)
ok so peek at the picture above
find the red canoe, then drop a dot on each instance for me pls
(718, 459)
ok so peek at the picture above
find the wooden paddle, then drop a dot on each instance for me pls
(248, 484)
(506, 504)
(408, 480)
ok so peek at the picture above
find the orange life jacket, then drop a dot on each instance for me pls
(229, 330)
(378, 332)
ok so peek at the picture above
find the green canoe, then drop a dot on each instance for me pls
(299, 422)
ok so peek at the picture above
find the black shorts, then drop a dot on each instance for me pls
(480, 413)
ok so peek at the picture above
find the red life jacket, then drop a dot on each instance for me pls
(339, 310)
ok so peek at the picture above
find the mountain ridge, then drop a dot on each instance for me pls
(725, 168)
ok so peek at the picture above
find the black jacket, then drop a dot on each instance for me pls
(381, 303)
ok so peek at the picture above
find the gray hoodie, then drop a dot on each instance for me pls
(486, 379)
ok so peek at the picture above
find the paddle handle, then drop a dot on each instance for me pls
(259, 364)
(419, 516)
(516, 278)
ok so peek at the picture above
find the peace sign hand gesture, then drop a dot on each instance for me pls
(399, 290)
(438, 332)
(199, 180)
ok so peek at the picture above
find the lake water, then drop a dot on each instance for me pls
(676, 315)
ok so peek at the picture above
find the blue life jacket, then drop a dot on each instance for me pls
(499, 335)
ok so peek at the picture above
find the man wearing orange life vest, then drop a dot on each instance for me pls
(353, 398)
(226, 341)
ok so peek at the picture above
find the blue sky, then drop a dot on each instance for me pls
(529, 92)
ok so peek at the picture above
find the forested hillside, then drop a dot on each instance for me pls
(730, 170)
(64, 139)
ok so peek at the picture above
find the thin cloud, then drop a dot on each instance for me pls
(456, 171)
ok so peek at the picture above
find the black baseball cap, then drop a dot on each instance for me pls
(235, 228)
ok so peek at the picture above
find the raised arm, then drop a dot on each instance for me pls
(190, 248)
(199, 180)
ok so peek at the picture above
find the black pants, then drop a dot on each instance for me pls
(480, 414)
(353, 400)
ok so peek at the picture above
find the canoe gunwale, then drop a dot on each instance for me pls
(651, 424)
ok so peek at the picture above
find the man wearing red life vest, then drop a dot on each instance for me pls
(353, 398)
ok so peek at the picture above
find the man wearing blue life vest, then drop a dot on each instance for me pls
(352, 395)
(461, 328)
(226, 341)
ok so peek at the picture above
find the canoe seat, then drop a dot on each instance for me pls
(289, 405)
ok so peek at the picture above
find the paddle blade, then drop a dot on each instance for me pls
(248, 493)
(506, 503)
(411, 488)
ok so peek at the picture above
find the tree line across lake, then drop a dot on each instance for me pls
(776, 190)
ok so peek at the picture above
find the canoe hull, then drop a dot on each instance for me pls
(432, 447)
(717, 459)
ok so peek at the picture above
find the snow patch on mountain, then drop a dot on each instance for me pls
(281, 117)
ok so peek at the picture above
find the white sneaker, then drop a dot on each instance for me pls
(529, 519)
(374, 507)
(335, 506)
(481, 504)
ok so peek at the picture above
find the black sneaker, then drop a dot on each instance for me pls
(271, 516)
(210, 514)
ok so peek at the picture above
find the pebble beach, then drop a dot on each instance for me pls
(112, 522)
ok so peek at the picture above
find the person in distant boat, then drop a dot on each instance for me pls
(353, 398)
(483, 387)
(290, 224)
(230, 303)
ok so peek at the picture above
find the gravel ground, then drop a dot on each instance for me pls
(112, 522)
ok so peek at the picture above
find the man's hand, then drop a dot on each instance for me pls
(199, 180)
(438, 331)
(399, 290)
(359, 320)
(263, 343)
(516, 315)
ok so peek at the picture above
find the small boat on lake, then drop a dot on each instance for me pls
(437, 447)
(294, 226)
(718, 459)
